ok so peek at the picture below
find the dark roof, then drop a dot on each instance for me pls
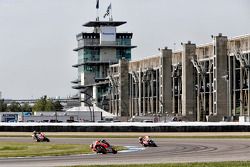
(103, 23)
(95, 63)
(76, 81)
(104, 46)
(90, 85)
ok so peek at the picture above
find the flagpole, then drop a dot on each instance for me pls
(111, 13)
(97, 14)
(97, 10)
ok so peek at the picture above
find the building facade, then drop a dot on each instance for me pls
(208, 82)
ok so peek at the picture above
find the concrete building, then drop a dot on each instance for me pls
(97, 50)
(208, 82)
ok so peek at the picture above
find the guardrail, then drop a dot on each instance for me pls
(128, 127)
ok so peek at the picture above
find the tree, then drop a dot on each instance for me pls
(45, 104)
(49, 106)
(14, 107)
(40, 104)
(26, 108)
(58, 106)
(3, 106)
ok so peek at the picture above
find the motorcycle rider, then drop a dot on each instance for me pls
(38, 134)
(35, 134)
(103, 143)
(140, 140)
(98, 142)
(146, 141)
(144, 138)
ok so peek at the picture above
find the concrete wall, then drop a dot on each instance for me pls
(188, 82)
(123, 88)
(113, 128)
(165, 84)
(220, 82)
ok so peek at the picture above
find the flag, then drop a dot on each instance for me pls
(107, 11)
(109, 7)
(97, 4)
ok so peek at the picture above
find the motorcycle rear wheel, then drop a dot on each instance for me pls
(47, 139)
(101, 149)
(114, 151)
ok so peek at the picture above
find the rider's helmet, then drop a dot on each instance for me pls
(140, 138)
(34, 132)
(104, 141)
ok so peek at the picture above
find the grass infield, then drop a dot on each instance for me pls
(209, 164)
(14, 149)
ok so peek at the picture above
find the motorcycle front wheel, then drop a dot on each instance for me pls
(114, 151)
(47, 139)
(101, 149)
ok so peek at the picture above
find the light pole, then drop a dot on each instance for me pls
(162, 110)
(20, 108)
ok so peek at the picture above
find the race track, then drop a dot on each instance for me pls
(169, 151)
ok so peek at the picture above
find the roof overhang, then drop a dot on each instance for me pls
(103, 23)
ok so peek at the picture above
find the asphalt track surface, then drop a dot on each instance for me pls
(169, 151)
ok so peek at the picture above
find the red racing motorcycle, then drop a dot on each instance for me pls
(103, 147)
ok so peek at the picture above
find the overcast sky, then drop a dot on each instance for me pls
(37, 36)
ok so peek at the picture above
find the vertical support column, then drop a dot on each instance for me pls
(234, 87)
(140, 87)
(94, 95)
(136, 97)
(248, 56)
(210, 90)
(165, 85)
(115, 100)
(157, 91)
(173, 97)
(198, 98)
(229, 86)
(132, 96)
(188, 87)
(204, 97)
(220, 83)
(148, 97)
(144, 98)
(152, 93)
(123, 88)
(110, 101)
(248, 87)
(241, 92)
(179, 94)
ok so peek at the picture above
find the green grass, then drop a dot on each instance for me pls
(211, 164)
(14, 149)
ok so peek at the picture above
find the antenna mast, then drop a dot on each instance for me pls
(97, 10)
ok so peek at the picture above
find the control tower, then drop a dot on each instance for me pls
(97, 50)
